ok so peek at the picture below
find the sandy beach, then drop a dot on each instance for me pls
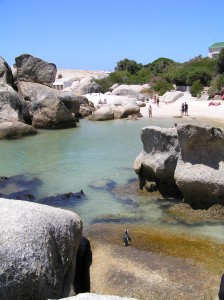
(196, 108)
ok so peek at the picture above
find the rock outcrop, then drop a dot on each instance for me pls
(199, 173)
(71, 101)
(157, 162)
(170, 97)
(11, 130)
(6, 76)
(12, 106)
(47, 110)
(33, 69)
(104, 113)
(38, 250)
(136, 91)
(85, 86)
(187, 163)
(90, 296)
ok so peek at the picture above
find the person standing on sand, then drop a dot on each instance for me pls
(157, 100)
(186, 109)
(150, 111)
(182, 109)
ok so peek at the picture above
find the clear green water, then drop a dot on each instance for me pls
(72, 159)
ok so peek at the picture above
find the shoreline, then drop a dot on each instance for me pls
(196, 108)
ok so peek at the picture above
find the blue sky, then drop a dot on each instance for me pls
(95, 35)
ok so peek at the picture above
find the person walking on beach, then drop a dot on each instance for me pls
(157, 100)
(150, 111)
(126, 238)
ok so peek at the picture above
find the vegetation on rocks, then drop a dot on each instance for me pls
(163, 74)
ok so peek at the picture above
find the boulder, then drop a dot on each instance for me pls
(6, 76)
(38, 250)
(170, 97)
(33, 69)
(47, 110)
(10, 130)
(199, 173)
(137, 91)
(125, 110)
(71, 101)
(85, 111)
(185, 162)
(12, 106)
(104, 113)
(85, 86)
(90, 296)
(157, 162)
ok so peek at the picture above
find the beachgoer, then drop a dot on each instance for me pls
(182, 109)
(157, 100)
(175, 124)
(150, 111)
(126, 238)
(186, 109)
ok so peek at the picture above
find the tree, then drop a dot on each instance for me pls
(128, 65)
(201, 74)
(220, 62)
(161, 65)
(196, 88)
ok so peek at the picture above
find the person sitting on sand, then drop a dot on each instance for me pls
(126, 238)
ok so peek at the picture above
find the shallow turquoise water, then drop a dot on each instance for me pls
(73, 159)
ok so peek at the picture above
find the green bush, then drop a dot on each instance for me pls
(161, 87)
(196, 88)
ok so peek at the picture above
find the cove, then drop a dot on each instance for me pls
(96, 157)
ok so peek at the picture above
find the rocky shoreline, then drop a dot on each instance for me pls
(157, 265)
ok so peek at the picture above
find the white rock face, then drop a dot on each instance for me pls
(170, 97)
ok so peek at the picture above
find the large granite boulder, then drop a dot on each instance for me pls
(85, 86)
(38, 250)
(33, 69)
(6, 76)
(104, 113)
(47, 110)
(137, 91)
(12, 106)
(71, 101)
(170, 97)
(90, 296)
(11, 130)
(186, 162)
(126, 110)
(157, 162)
(199, 173)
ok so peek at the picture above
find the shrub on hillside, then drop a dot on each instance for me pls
(196, 88)
(161, 87)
